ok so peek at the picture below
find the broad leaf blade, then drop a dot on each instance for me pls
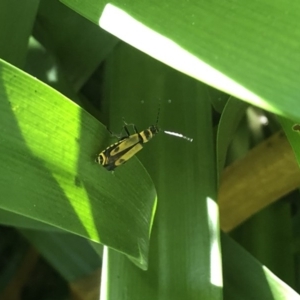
(219, 43)
(48, 150)
(184, 260)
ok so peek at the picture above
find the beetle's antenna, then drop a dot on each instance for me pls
(171, 132)
(158, 113)
(178, 135)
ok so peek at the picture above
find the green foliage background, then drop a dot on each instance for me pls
(61, 75)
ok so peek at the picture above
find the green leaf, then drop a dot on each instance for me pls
(219, 43)
(184, 261)
(232, 115)
(47, 158)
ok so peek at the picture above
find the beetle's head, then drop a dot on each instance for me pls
(154, 129)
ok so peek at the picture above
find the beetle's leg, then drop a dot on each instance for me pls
(126, 130)
(131, 124)
(109, 131)
(118, 136)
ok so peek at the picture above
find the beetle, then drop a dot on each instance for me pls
(120, 152)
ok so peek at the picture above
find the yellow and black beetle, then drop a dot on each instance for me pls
(121, 151)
